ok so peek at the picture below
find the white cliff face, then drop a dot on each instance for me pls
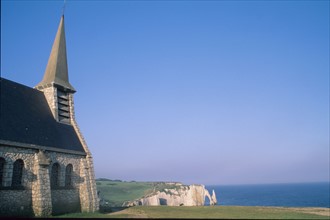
(213, 200)
(193, 195)
(150, 201)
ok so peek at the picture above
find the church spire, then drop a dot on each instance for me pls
(56, 73)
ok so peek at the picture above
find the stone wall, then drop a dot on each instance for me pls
(16, 203)
(51, 97)
(88, 192)
(65, 201)
(11, 154)
(35, 196)
(41, 186)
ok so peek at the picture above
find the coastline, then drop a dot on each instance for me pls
(315, 194)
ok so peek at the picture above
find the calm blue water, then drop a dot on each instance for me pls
(287, 195)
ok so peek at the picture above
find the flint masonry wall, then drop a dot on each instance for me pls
(90, 200)
(16, 203)
(35, 197)
(65, 201)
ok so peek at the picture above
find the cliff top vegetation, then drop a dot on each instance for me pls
(114, 193)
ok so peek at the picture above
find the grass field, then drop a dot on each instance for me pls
(115, 193)
(209, 212)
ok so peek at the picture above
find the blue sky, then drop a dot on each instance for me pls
(210, 92)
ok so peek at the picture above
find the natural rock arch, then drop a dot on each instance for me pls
(212, 199)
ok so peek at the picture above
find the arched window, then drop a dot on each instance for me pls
(68, 175)
(2, 168)
(17, 173)
(55, 175)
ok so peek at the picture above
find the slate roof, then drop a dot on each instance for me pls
(25, 117)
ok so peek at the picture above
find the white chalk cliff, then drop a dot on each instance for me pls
(181, 195)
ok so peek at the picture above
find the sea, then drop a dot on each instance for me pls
(283, 195)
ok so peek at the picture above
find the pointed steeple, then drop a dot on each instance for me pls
(57, 68)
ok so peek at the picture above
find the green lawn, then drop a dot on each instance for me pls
(222, 212)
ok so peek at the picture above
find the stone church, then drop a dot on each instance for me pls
(46, 167)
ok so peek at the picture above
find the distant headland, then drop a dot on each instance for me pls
(115, 193)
